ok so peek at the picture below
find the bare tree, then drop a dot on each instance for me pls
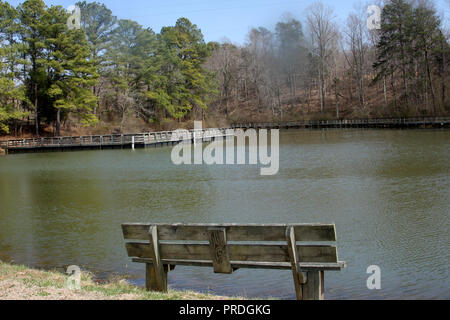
(225, 62)
(322, 31)
(336, 70)
(260, 50)
(356, 57)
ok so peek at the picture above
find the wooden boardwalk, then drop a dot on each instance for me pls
(164, 138)
(112, 141)
(440, 122)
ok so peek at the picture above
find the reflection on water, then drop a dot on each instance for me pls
(387, 191)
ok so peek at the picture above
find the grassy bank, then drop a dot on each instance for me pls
(20, 282)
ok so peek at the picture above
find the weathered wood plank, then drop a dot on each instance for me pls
(314, 287)
(307, 266)
(157, 267)
(228, 247)
(219, 250)
(237, 252)
(151, 284)
(298, 276)
(235, 232)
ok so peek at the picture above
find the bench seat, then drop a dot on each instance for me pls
(305, 266)
(305, 249)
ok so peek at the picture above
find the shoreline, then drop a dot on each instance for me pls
(18, 282)
(424, 122)
(151, 140)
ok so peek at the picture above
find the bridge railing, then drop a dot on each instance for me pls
(111, 139)
(413, 120)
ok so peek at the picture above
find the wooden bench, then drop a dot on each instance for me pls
(229, 247)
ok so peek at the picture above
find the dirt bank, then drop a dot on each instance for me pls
(22, 283)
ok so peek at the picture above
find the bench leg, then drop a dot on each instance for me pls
(151, 284)
(313, 289)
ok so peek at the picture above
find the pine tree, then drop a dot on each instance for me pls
(71, 74)
(427, 37)
(13, 100)
(98, 22)
(11, 97)
(410, 45)
(130, 45)
(291, 50)
(184, 83)
(31, 13)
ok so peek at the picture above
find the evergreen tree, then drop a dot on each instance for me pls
(31, 13)
(183, 83)
(11, 97)
(131, 45)
(291, 50)
(411, 45)
(427, 40)
(395, 41)
(98, 22)
(13, 101)
(70, 72)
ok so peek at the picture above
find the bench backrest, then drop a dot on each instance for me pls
(224, 245)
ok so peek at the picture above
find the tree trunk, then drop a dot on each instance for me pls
(430, 82)
(393, 90)
(443, 73)
(58, 122)
(36, 115)
(361, 91)
(336, 97)
(279, 104)
(322, 93)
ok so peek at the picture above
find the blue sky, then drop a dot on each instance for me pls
(220, 18)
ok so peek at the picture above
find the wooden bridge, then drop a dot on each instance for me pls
(423, 122)
(164, 138)
(112, 141)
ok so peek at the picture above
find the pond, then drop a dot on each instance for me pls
(388, 191)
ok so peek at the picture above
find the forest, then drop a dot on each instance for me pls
(114, 76)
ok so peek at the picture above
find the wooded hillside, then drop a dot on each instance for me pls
(114, 75)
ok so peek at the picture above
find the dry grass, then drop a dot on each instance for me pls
(22, 283)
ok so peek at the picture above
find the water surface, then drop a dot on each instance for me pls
(387, 191)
